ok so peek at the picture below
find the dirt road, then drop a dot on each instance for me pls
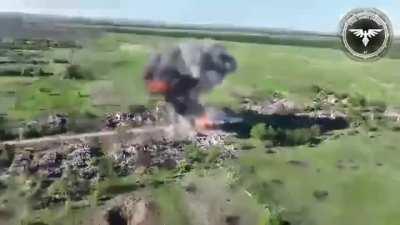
(135, 132)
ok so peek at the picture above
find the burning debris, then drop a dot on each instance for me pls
(185, 72)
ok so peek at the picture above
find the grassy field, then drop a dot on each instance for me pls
(292, 70)
(359, 173)
(116, 62)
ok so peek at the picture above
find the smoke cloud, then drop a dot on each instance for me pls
(185, 72)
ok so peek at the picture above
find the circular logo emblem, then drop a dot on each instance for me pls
(366, 34)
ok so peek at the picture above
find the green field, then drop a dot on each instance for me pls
(360, 173)
(116, 62)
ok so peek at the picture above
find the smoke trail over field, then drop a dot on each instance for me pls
(183, 73)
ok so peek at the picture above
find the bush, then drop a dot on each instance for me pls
(106, 168)
(61, 61)
(316, 89)
(213, 155)
(6, 134)
(315, 131)
(342, 96)
(298, 136)
(396, 128)
(32, 132)
(259, 131)
(114, 187)
(358, 100)
(247, 146)
(194, 154)
(271, 133)
(79, 73)
(6, 156)
(70, 186)
(281, 136)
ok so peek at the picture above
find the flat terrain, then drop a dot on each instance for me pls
(116, 62)
(359, 173)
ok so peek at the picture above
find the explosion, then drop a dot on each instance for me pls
(186, 71)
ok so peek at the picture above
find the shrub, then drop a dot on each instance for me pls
(70, 186)
(194, 154)
(396, 128)
(259, 131)
(315, 131)
(271, 133)
(32, 132)
(114, 187)
(213, 155)
(6, 135)
(183, 168)
(247, 146)
(298, 136)
(342, 96)
(302, 136)
(316, 89)
(106, 168)
(358, 100)
(269, 144)
(61, 61)
(79, 73)
(6, 156)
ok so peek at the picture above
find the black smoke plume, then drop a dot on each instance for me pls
(186, 71)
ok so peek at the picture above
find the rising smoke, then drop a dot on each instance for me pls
(185, 72)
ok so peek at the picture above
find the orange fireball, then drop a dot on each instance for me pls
(204, 123)
(158, 86)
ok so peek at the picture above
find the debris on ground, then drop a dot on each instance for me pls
(137, 119)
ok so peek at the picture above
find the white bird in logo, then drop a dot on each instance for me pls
(365, 34)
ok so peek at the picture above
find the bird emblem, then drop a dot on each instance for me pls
(366, 35)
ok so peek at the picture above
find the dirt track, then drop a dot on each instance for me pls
(147, 132)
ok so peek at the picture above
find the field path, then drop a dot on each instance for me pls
(84, 136)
